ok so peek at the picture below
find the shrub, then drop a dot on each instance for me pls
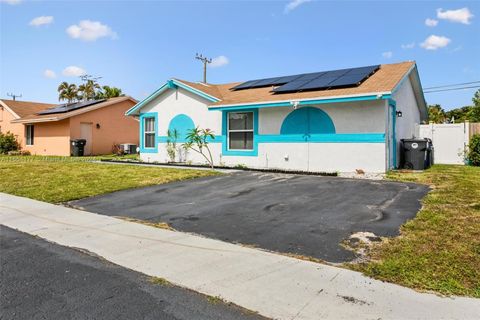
(8, 142)
(473, 154)
(19, 153)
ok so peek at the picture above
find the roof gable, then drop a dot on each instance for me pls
(206, 91)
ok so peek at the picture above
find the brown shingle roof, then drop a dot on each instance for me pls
(34, 117)
(24, 108)
(384, 80)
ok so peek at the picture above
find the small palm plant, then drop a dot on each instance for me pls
(172, 137)
(197, 141)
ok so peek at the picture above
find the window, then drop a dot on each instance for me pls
(240, 131)
(149, 132)
(30, 134)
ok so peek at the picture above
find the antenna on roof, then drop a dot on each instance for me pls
(87, 77)
(14, 96)
(205, 61)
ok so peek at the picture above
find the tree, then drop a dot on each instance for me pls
(436, 114)
(473, 154)
(108, 92)
(474, 114)
(197, 141)
(88, 90)
(67, 91)
(458, 114)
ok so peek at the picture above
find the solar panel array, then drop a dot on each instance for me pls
(62, 108)
(310, 81)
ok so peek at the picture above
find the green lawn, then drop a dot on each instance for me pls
(59, 179)
(439, 250)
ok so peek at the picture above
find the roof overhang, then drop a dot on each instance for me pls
(6, 107)
(63, 116)
(304, 102)
(170, 84)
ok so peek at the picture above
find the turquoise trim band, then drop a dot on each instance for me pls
(217, 139)
(323, 138)
(300, 103)
(142, 132)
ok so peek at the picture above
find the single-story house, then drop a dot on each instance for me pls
(333, 121)
(46, 129)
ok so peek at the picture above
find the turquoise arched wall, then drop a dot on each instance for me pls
(182, 123)
(308, 120)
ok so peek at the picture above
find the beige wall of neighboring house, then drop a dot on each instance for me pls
(6, 126)
(52, 133)
(50, 138)
(113, 129)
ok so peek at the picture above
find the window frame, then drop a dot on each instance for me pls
(29, 141)
(145, 132)
(241, 130)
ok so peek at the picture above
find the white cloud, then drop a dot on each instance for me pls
(88, 30)
(431, 22)
(293, 4)
(434, 42)
(49, 74)
(73, 71)
(40, 21)
(387, 54)
(219, 61)
(461, 15)
(11, 2)
(408, 46)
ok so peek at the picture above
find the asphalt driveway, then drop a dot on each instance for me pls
(306, 215)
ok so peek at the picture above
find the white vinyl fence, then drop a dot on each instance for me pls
(449, 141)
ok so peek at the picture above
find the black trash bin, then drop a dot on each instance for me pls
(417, 154)
(77, 147)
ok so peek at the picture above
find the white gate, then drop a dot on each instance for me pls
(449, 141)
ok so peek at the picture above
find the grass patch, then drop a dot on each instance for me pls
(161, 281)
(60, 179)
(439, 250)
(160, 225)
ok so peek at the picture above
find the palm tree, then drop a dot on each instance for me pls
(67, 91)
(108, 92)
(88, 90)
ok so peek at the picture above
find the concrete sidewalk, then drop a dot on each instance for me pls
(273, 285)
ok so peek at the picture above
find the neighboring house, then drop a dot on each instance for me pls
(46, 129)
(342, 120)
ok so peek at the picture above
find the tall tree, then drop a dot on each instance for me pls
(88, 90)
(67, 91)
(436, 114)
(474, 114)
(108, 92)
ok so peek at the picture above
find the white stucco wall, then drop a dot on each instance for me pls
(407, 104)
(355, 117)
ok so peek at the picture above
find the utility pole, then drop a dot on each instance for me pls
(14, 96)
(205, 61)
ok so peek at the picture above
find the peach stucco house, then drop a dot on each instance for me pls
(46, 129)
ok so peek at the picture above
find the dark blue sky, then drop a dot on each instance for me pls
(137, 45)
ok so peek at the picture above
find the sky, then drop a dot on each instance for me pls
(138, 45)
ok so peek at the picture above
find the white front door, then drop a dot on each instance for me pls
(86, 133)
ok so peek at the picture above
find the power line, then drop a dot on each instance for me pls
(452, 89)
(452, 85)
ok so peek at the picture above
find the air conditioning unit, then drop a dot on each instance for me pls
(129, 148)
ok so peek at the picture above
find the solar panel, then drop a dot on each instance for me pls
(315, 80)
(70, 107)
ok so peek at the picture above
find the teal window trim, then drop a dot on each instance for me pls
(170, 84)
(142, 132)
(301, 103)
(246, 153)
